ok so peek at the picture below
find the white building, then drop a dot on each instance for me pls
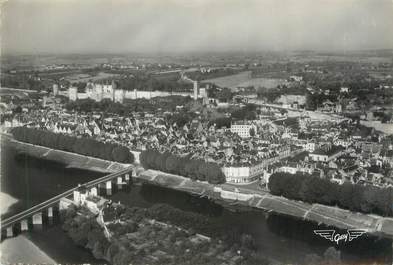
(99, 92)
(293, 168)
(344, 90)
(243, 129)
(310, 146)
(296, 78)
(242, 174)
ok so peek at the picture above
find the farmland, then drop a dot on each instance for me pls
(87, 77)
(244, 79)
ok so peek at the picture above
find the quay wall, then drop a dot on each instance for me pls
(236, 194)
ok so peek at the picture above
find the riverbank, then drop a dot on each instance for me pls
(6, 201)
(160, 234)
(69, 159)
(21, 250)
(10, 250)
(260, 199)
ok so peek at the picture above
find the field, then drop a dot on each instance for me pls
(86, 77)
(383, 127)
(244, 79)
(4, 91)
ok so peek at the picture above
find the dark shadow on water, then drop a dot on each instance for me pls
(367, 248)
(31, 180)
(181, 200)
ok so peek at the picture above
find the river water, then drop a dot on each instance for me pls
(281, 238)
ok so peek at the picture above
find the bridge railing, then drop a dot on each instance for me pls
(39, 207)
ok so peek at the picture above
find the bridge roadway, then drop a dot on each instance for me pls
(39, 207)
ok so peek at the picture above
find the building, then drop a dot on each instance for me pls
(243, 174)
(293, 168)
(310, 146)
(55, 89)
(99, 92)
(73, 93)
(290, 100)
(344, 90)
(296, 78)
(326, 153)
(196, 90)
(251, 172)
(243, 129)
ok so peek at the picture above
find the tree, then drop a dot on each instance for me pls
(215, 174)
(384, 200)
(160, 161)
(345, 195)
(368, 200)
(122, 154)
(224, 95)
(17, 110)
(202, 171)
(107, 151)
(191, 169)
(252, 132)
(293, 185)
(172, 164)
(277, 183)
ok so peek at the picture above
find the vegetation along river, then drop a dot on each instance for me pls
(30, 181)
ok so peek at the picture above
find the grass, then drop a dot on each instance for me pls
(244, 79)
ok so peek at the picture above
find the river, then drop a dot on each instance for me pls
(286, 239)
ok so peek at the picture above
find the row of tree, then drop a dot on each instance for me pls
(367, 199)
(83, 146)
(184, 166)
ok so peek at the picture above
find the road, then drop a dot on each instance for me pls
(40, 207)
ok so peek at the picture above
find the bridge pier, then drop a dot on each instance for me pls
(101, 187)
(50, 215)
(127, 177)
(108, 186)
(10, 231)
(133, 172)
(63, 205)
(119, 182)
(37, 220)
(50, 212)
(24, 225)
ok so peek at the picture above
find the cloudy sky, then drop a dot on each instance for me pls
(91, 26)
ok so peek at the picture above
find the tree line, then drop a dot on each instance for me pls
(355, 197)
(194, 169)
(82, 146)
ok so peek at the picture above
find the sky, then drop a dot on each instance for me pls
(160, 26)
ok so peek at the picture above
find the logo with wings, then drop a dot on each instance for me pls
(331, 235)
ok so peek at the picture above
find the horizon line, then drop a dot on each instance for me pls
(164, 53)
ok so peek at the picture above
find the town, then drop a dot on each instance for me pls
(249, 132)
(231, 132)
